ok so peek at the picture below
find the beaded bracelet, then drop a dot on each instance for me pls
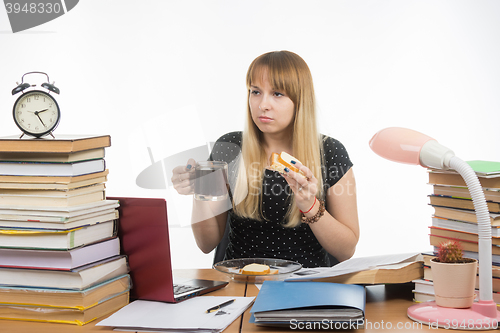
(315, 218)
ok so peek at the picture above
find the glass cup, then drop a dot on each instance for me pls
(211, 181)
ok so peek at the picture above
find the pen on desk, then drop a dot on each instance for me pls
(217, 307)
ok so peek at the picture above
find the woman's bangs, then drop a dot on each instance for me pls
(279, 72)
(279, 80)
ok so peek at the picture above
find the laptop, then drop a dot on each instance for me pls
(144, 239)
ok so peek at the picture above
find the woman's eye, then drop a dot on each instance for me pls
(278, 94)
(254, 92)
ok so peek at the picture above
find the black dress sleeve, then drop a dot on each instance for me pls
(227, 148)
(336, 161)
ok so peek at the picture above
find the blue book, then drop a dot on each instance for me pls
(295, 303)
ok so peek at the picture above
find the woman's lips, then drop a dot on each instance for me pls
(265, 119)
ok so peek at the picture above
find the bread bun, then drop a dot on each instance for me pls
(255, 269)
(283, 160)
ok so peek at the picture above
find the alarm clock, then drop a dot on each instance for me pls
(36, 112)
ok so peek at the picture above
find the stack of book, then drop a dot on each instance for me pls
(59, 252)
(455, 218)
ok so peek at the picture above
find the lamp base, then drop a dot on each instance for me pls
(482, 315)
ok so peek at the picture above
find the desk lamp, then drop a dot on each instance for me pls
(408, 146)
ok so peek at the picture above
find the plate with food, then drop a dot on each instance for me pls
(257, 269)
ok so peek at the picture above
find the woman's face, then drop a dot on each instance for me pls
(272, 111)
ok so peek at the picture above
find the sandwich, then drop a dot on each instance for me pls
(283, 160)
(257, 269)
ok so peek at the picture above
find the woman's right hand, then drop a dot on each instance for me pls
(183, 178)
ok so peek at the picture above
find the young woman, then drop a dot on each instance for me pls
(272, 215)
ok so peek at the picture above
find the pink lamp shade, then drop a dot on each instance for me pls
(404, 145)
(399, 144)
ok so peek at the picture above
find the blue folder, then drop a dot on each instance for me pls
(281, 295)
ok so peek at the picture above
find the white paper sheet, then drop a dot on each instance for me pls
(189, 315)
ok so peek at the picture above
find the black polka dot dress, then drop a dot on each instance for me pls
(268, 238)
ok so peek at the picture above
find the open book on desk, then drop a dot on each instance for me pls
(392, 268)
(187, 316)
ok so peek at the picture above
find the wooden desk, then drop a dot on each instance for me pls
(385, 310)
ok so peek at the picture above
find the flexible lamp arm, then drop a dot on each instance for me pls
(483, 224)
(407, 146)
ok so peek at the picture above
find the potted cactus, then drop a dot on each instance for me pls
(454, 276)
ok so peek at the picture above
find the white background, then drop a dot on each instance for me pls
(170, 75)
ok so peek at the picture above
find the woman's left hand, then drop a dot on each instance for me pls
(304, 187)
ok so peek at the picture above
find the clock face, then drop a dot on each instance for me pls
(36, 113)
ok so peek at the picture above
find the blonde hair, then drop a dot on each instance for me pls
(287, 72)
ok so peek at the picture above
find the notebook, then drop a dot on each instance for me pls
(144, 239)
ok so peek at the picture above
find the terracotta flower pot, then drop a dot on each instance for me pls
(454, 284)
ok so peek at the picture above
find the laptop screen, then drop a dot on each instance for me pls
(143, 233)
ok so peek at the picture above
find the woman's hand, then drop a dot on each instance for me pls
(183, 178)
(304, 187)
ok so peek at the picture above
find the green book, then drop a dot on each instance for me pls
(485, 168)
